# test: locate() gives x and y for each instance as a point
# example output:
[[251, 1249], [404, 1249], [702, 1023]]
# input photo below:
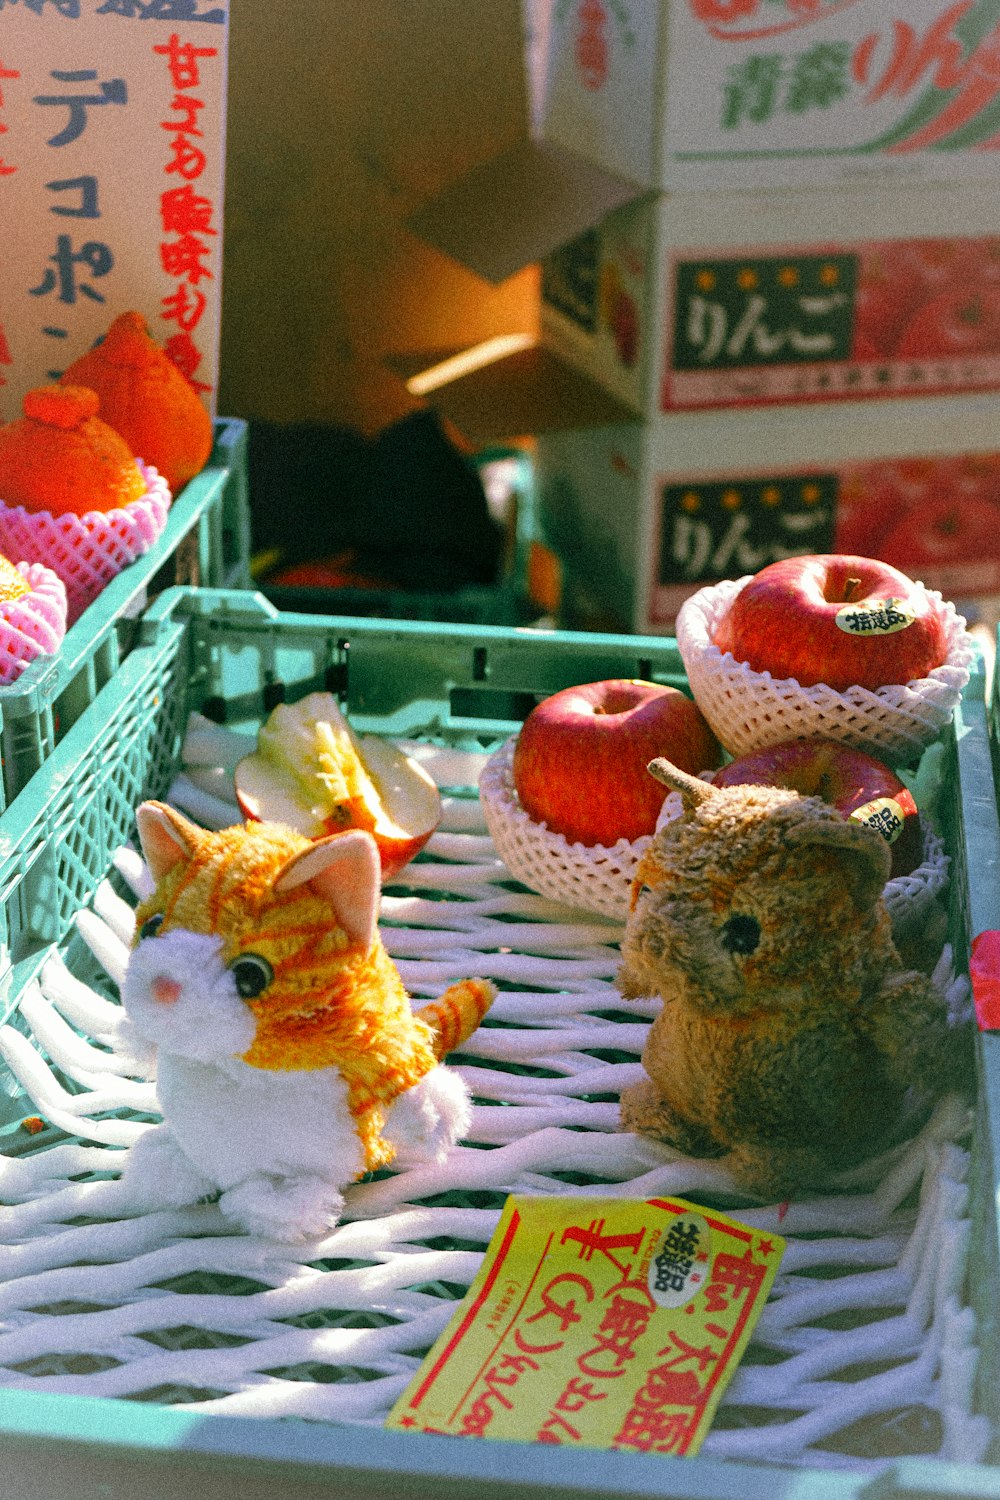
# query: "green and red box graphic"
[[935, 518], [796, 92], [883, 318]]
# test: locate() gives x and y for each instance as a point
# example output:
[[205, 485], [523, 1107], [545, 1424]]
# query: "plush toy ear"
[[692, 789], [344, 869], [863, 854], [165, 836]]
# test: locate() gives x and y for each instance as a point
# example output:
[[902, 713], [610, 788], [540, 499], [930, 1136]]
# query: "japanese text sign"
[[817, 323], [597, 1322], [936, 518], [112, 128], [787, 92]]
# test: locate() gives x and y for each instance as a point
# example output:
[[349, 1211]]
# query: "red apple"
[[976, 474], [581, 757], [313, 773], [868, 506], [979, 261], [964, 321], [933, 265], [950, 528], [625, 326], [917, 479], [834, 618], [857, 785], [890, 285]]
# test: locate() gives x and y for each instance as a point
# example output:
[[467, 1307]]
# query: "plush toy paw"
[[776, 1173], [159, 1175], [136, 1051], [426, 1121], [283, 1208], [644, 1110]]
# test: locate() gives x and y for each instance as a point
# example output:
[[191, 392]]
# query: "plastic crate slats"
[[108, 1328], [868, 1339]]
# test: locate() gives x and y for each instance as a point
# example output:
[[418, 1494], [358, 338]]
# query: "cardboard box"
[[707, 99], [641, 515], [801, 262], [680, 303], [710, 94]]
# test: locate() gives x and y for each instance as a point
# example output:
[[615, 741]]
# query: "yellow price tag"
[[597, 1322]]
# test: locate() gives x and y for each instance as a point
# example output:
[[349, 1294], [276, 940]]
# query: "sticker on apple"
[[677, 1270], [875, 617], [886, 815]]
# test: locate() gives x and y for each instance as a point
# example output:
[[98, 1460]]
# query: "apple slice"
[[313, 773]]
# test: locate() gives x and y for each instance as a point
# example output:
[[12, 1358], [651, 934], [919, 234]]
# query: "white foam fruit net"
[[599, 878], [748, 709], [865, 1351], [87, 551], [595, 878]]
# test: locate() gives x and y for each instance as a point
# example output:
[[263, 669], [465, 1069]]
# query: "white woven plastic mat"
[[749, 709], [865, 1351]]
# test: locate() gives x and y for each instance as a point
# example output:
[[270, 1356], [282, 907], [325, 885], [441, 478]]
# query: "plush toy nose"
[[165, 991]]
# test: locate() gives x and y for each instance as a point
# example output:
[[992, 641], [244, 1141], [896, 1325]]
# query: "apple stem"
[[849, 587]]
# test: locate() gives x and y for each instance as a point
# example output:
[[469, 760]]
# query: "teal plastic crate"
[[233, 657], [206, 541]]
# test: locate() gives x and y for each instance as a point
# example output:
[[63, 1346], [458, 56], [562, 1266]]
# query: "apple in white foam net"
[[837, 619], [857, 785], [312, 772], [581, 756]]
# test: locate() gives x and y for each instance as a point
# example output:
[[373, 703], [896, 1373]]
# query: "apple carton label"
[[884, 814], [874, 617], [838, 321], [935, 518], [786, 93]]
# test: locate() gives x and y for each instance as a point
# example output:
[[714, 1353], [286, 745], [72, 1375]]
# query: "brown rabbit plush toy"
[[789, 1033]]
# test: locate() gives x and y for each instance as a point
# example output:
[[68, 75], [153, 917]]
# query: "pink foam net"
[[34, 624], [87, 551]]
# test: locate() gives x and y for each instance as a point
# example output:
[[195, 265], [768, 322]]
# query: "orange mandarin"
[[146, 398], [61, 457]]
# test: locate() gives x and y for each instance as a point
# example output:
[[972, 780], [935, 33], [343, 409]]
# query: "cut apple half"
[[311, 772]]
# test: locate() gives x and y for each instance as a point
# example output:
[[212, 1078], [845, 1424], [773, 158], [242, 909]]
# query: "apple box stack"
[[801, 309]]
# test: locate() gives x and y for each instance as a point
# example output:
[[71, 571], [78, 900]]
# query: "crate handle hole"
[[335, 679], [215, 709]]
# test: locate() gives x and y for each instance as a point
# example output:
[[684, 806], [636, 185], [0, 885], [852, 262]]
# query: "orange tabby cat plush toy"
[[288, 1059]]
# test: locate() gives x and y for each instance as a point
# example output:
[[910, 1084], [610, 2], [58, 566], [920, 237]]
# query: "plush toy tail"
[[456, 1014]]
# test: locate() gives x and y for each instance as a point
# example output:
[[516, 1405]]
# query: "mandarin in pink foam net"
[[87, 551], [33, 624]]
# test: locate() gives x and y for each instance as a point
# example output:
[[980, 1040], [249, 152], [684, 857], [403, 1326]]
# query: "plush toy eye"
[[152, 925], [252, 973], [741, 934]]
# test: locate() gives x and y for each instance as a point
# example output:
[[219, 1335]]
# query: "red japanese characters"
[[186, 214], [597, 1322]]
